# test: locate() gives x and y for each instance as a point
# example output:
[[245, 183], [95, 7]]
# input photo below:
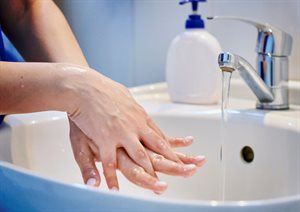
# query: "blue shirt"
[[2, 52]]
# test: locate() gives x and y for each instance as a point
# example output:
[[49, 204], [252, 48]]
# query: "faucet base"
[[270, 106], [280, 102]]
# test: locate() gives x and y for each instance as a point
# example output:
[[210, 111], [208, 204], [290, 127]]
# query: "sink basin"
[[259, 170]]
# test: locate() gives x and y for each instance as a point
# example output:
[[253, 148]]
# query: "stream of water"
[[226, 78]]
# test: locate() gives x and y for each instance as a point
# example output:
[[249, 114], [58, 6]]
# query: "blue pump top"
[[194, 21]]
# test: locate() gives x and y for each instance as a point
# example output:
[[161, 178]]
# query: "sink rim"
[[203, 203], [287, 120], [156, 101]]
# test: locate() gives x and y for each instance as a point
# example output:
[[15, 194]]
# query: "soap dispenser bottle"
[[192, 71]]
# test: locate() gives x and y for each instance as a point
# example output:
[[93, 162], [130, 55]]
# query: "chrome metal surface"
[[270, 40], [273, 48], [260, 89]]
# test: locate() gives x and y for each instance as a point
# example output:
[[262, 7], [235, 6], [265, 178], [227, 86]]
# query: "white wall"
[[104, 29], [158, 21], [128, 40]]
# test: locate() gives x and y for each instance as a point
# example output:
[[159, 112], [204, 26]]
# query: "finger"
[[166, 166], [95, 150], [187, 159], [174, 142], [85, 160], [137, 174], [181, 142], [84, 156], [138, 154], [154, 127], [109, 165], [158, 144]]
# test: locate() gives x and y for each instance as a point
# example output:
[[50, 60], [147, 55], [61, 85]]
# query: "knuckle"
[[88, 172], [142, 128], [161, 144], [147, 131], [137, 172], [156, 159], [110, 165], [141, 154], [81, 158]]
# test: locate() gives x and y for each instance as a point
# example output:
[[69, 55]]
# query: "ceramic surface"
[[38, 172]]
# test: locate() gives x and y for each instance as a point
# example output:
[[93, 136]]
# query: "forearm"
[[32, 87], [40, 32]]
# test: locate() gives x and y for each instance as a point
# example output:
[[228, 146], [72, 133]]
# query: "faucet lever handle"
[[268, 36], [259, 26]]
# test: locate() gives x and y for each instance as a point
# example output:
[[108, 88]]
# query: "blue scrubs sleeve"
[[2, 52]]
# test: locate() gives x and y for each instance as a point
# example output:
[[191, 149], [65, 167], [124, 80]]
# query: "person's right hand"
[[108, 115]]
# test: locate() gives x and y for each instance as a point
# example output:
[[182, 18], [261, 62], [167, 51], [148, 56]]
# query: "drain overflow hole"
[[247, 154]]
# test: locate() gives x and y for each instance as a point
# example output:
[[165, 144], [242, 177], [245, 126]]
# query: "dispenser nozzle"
[[193, 2]]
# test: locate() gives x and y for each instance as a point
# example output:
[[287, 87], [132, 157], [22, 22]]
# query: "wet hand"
[[86, 155], [108, 115], [138, 176]]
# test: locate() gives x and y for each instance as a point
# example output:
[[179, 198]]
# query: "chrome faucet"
[[270, 82]]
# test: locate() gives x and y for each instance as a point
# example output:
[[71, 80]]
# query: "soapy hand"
[[86, 154], [108, 115]]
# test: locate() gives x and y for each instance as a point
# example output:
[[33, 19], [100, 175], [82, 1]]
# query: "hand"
[[108, 115], [138, 176], [86, 154]]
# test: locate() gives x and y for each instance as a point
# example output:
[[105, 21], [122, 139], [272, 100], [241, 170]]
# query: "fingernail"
[[158, 192], [189, 167], [91, 182], [200, 157], [162, 187], [114, 189], [189, 138], [160, 184]]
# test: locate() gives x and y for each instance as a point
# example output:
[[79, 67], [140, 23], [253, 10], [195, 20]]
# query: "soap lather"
[[192, 71]]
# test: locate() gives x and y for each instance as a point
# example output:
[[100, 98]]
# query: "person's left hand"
[[87, 154]]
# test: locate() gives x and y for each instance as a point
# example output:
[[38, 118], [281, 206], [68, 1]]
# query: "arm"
[[52, 86], [31, 87], [34, 22], [39, 31]]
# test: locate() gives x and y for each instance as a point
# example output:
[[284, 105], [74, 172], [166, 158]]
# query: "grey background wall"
[[128, 40], [104, 29]]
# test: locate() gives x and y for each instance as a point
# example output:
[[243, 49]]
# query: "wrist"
[[69, 80]]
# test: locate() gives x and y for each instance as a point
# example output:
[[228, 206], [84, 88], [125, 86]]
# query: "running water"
[[226, 77]]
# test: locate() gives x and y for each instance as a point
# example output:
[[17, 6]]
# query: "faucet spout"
[[229, 62], [269, 82]]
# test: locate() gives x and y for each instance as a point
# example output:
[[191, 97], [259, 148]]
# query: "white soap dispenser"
[[192, 71]]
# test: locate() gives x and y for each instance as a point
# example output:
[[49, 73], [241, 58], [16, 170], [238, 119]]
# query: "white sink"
[[38, 171]]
